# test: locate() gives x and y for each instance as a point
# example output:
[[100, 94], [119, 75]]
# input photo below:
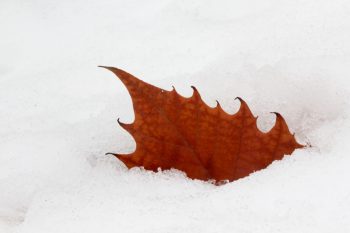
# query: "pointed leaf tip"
[[121, 74], [107, 67], [194, 89], [276, 113], [109, 153], [195, 93]]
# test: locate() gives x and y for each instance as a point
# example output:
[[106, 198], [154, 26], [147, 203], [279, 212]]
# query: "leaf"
[[206, 143]]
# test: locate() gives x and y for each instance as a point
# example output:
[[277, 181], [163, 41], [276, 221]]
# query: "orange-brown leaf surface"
[[206, 143]]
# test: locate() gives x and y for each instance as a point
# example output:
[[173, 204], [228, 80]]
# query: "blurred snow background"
[[58, 112]]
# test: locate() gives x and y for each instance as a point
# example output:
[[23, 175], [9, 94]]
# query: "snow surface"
[[58, 112]]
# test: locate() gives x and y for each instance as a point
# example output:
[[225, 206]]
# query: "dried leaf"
[[206, 143]]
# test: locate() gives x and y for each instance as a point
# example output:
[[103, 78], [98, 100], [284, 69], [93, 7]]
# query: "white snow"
[[58, 112]]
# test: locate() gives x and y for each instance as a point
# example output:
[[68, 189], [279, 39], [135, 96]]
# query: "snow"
[[58, 112]]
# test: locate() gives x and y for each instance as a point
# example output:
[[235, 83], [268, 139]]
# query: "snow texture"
[[59, 113]]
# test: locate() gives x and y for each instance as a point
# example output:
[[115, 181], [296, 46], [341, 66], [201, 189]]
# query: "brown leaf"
[[206, 143]]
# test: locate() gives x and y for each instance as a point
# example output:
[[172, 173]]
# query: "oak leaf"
[[172, 131]]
